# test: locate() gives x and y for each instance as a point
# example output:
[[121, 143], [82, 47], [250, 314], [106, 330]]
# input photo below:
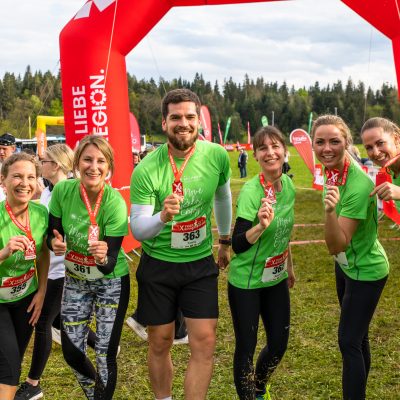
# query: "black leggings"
[[247, 305], [358, 300], [50, 316], [15, 333]]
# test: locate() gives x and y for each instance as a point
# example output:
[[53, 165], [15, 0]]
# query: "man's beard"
[[182, 145]]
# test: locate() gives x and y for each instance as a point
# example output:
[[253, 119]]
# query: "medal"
[[269, 190], [177, 186], [94, 230], [333, 177], [30, 252]]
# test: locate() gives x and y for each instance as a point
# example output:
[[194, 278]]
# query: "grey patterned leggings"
[[106, 300]]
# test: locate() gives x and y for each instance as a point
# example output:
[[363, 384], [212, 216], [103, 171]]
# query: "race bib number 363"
[[275, 267], [188, 234]]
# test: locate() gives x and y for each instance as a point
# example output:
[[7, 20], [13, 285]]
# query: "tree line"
[[24, 97]]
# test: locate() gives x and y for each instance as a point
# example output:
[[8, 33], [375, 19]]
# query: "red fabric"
[[206, 123], [389, 207], [302, 141]]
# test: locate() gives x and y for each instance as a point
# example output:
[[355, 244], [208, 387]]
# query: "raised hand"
[[331, 198], [58, 244], [172, 207]]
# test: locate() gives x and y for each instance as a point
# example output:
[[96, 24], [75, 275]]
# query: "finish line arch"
[[93, 70]]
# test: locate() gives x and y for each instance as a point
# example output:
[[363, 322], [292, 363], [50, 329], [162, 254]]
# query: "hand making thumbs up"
[[58, 244]]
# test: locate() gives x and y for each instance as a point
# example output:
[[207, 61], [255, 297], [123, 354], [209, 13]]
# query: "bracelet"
[[226, 242], [105, 262]]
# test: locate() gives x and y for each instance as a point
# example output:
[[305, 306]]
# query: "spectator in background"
[[242, 163], [286, 166], [136, 159], [7, 147]]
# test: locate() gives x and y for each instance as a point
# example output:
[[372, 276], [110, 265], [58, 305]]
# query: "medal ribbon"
[[341, 179], [267, 188], [92, 213], [26, 228], [178, 174], [391, 162]]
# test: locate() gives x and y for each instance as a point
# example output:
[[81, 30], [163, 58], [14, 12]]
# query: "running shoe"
[[140, 330], [184, 340], [266, 395], [56, 335], [28, 392]]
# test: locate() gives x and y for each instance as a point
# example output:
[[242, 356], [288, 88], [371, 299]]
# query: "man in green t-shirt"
[[172, 195]]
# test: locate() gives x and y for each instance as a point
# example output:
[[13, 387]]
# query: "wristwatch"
[[226, 242]]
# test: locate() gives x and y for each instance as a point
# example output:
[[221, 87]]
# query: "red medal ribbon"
[[269, 189], [94, 231], [177, 185], [30, 252], [333, 177], [26, 228], [391, 162]]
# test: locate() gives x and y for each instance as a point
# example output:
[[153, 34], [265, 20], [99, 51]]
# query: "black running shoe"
[[28, 392]]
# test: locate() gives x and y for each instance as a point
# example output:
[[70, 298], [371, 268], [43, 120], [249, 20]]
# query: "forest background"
[[37, 93]]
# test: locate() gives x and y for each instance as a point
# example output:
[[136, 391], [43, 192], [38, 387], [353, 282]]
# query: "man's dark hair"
[[178, 96]]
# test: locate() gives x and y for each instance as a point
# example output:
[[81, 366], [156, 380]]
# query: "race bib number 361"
[[82, 266], [188, 234], [275, 267]]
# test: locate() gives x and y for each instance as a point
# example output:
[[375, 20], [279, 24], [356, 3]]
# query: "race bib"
[[275, 267], [188, 234], [83, 267], [15, 287], [341, 259]]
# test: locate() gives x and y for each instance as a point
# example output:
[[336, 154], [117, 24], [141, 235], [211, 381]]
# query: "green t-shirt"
[[189, 236], [66, 203], [16, 265], [364, 259], [262, 264]]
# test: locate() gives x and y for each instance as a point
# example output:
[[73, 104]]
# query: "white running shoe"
[[140, 330], [184, 340], [56, 335]]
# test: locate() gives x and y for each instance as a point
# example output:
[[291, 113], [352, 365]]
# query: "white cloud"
[[297, 41]]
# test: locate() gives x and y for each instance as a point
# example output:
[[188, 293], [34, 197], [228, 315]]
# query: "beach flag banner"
[[228, 125], [205, 119], [248, 133], [135, 133], [301, 140], [220, 135]]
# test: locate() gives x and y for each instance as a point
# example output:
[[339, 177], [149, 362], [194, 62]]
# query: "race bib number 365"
[[188, 234], [275, 267]]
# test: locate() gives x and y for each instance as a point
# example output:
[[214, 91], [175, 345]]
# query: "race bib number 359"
[[188, 234], [275, 267], [15, 287]]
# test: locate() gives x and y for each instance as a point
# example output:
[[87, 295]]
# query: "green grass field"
[[311, 368]]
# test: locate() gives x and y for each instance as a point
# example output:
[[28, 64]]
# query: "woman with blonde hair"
[[87, 222], [351, 235]]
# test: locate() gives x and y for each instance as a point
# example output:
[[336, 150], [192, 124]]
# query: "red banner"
[[135, 133], [389, 207], [205, 119], [318, 182], [302, 141]]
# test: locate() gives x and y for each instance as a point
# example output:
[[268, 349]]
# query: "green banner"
[[264, 120], [228, 125], [309, 122]]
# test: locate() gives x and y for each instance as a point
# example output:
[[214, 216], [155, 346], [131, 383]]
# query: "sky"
[[300, 42]]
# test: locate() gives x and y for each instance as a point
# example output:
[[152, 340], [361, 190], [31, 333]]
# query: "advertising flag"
[[41, 142], [228, 125], [220, 134], [264, 120], [248, 133], [302, 141], [135, 133], [205, 119]]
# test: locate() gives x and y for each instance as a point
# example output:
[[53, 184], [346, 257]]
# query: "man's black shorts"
[[164, 286]]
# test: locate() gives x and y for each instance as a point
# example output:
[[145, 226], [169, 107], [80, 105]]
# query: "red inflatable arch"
[[93, 71]]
